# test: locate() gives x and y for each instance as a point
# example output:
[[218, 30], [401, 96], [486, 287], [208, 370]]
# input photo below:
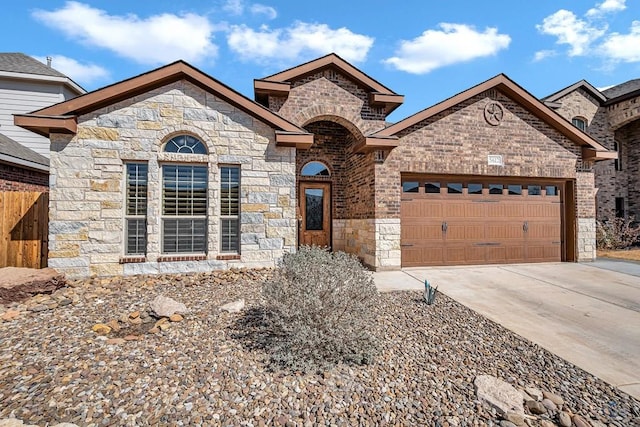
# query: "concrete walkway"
[[588, 314]]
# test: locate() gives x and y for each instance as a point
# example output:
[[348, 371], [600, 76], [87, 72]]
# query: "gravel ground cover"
[[207, 370]]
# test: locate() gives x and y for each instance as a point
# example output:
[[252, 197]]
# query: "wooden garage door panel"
[[455, 209], [504, 230], [475, 210], [480, 228], [421, 232]]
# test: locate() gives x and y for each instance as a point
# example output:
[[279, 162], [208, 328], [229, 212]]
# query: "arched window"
[[184, 199], [185, 144], [315, 169], [580, 123]]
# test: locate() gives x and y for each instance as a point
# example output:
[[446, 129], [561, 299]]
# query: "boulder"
[[17, 284], [165, 307], [498, 394], [233, 307]]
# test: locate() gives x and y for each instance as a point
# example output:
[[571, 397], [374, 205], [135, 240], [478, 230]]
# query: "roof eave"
[[46, 125], [23, 163]]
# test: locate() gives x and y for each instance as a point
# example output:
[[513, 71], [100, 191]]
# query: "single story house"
[[173, 171]]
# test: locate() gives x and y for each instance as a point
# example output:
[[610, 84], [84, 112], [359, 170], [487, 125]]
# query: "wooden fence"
[[24, 229]]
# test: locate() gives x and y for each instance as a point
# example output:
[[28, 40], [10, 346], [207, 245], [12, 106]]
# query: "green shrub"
[[319, 308], [617, 233]]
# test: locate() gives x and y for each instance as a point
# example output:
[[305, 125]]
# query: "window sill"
[[132, 259], [173, 258], [228, 257]]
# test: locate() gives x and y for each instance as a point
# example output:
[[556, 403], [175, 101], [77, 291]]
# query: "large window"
[[136, 209], [230, 209], [184, 209]]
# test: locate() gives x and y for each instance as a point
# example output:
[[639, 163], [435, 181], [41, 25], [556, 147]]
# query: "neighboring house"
[[172, 171], [612, 117], [27, 84]]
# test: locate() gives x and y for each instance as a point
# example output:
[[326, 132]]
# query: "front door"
[[315, 209]]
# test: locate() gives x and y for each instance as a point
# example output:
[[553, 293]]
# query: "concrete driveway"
[[588, 314]]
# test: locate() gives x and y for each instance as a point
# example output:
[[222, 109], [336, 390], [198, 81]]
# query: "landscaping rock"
[[176, 318], [535, 393], [535, 407], [498, 394], [18, 284], [213, 369], [101, 329], [551, 407], [516, 418], [579, 421], [559, 401], [564, 419], [164, 306], [233, 307], [10, 315]]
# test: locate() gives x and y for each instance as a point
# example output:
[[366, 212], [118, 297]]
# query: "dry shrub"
[[319, 307], [617, 233]]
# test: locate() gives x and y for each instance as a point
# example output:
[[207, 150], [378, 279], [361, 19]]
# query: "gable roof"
[[280, 83], [20, 65], [507, 86], [582, 84], [622, 91], [17, 154], [62, 117]]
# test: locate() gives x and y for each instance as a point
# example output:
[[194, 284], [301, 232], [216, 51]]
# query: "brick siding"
[[13, 178]]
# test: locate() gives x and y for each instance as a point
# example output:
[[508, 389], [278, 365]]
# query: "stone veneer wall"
[[87, 186], [586, 213]]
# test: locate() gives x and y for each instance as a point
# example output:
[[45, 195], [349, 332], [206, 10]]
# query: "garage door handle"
[[525, 226], [444, 227]]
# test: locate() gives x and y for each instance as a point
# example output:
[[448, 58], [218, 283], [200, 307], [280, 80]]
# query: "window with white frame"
[[184, 200], [580, 123], [136, 209], [230, 209]]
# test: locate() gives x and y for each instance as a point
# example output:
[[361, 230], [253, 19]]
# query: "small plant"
[[320, 310], [429, 292], [617, 233]]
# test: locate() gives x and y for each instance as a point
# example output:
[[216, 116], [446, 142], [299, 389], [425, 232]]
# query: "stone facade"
[[87, 202], [87, 193]]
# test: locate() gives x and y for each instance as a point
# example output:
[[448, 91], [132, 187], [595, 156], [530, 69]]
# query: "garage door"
[[455, 221]]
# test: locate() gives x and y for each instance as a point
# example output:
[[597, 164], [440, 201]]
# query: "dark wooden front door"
[[315, 209]]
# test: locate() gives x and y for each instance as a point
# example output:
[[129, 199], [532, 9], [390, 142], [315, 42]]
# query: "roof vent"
[[49, 59]]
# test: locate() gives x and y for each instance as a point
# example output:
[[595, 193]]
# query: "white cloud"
[[234, 7], [83, 73], [623, 47], [453, 43], [157, 39], [261, 9], [544, 54], [579, 34], [607, 6], [297, 42]]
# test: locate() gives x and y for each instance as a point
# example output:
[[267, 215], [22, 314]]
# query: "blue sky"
[[425, 50]]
